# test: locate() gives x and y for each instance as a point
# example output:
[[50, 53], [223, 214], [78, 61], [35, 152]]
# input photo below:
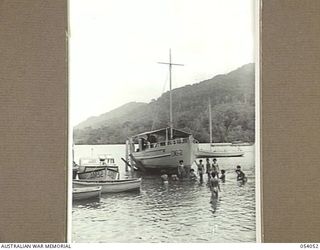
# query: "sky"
[[114, 47]]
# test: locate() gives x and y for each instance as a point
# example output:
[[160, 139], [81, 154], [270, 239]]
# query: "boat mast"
[[210, 120], [170, 93]]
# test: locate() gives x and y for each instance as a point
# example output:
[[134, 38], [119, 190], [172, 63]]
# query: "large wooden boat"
[[158, 150], [83, 193], [163, 148], [111, 186]]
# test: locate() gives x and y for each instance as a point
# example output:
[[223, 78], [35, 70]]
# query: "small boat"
[[218, 154], [221, 144], [111, 186], [101, 168], [241, 143], [84, 193], [215, 153]]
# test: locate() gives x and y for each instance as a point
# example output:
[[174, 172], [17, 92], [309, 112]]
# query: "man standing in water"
[[181, 170], [208, 168], [200, 169], [223, 176], [215, 167], [240, 175], [214, 187], [164, 177]]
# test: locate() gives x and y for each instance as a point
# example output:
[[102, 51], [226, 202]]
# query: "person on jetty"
[[214, 187], [215, 167], [240, 175], [200, 168], [181, 170], [223, 176], [192, 175], [164, 176], [208, 168]]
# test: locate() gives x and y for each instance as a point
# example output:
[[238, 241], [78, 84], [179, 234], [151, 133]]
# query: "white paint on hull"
[[211, 154], [82, 193], [167, 156], [113, 186]]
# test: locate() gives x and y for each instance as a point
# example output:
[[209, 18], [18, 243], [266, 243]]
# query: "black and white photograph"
[[163, 121]]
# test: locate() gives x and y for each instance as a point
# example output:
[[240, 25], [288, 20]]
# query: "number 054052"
[[310, 246]]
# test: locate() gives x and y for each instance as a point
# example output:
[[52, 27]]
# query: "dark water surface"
[[174, 212]]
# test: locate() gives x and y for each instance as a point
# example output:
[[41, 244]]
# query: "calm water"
[[176, 212]]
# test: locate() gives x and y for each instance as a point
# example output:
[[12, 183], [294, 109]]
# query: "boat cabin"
[[160, 137], [101, 160], [101, 167]]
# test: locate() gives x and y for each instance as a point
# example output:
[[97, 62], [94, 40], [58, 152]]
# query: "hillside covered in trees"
[[232, 104]]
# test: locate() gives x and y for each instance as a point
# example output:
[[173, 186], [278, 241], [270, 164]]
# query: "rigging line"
[[158, 106]]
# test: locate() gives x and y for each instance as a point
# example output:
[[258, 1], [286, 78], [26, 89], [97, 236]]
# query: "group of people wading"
[[212, 170]]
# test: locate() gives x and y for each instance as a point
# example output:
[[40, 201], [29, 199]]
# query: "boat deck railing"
[[169, 142]]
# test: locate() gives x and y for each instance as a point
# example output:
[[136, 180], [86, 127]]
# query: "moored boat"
[[101, 168], [163, 148], [241, 143], [83, 193], [156, 151], [111, 186], [221, 144], [217, 154]]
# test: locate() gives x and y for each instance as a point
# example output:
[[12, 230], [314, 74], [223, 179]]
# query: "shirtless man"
[[215, 167], [240, 175], [200, 169], [164, 176], [208, 168], [181, 170], [223, 176], [192, 176], [214, 186]]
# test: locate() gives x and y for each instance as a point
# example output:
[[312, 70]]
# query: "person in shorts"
[[208, 168], [200, 168], [214, 187], [215, 167]]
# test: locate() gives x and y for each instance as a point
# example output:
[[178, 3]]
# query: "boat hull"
[[84, 193], [217, 154], [166, 157], [111, 186], [98, 173]]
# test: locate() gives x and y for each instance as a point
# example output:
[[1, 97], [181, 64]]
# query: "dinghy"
[[84, 193], [111, 186]]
